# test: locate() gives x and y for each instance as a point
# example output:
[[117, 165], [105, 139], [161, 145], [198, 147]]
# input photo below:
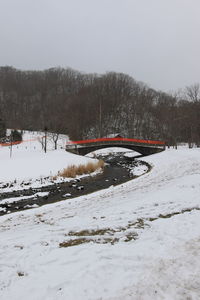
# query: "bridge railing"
[[122, 141]]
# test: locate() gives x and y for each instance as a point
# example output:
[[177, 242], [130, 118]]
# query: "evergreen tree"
[[16, 136]]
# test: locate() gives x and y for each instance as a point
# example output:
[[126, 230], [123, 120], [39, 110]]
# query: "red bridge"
[[145, 147]]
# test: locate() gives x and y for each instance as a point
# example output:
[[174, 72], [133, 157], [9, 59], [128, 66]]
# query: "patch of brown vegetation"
[[167, 216], [20, 274], [75, 242], [99, 236], [73, 171], [79, 241], [91, 232], [131, 236], [139, 224]]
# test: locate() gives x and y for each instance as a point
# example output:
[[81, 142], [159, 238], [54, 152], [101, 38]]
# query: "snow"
[[67, 195], [112, 150], [139, 170], [29, 162], [139, 240], [17, 199]]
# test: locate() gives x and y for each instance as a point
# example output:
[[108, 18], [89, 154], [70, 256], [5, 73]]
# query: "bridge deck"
[[122, 140], [142, 146]]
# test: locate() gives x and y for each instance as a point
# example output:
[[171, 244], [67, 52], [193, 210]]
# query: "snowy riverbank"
[[29, 163], [139, 240]]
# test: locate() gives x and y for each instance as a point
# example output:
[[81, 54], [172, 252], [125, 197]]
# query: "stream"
[[116, 171]]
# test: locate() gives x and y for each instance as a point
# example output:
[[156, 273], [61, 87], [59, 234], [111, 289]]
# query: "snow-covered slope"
[[27, 161], [139, 240]]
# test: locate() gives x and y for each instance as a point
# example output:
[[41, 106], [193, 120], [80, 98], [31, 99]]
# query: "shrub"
[[73, 170], [16, 135]]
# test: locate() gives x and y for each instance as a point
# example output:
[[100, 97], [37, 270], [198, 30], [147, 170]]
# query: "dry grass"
[[73, 170], [80, 241]]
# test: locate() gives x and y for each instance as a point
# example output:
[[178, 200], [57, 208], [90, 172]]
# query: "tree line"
[[91, 105]]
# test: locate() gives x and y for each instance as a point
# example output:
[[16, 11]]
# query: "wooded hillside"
[[92, 105]]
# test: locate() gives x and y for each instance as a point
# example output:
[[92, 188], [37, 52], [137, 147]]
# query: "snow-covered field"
[[28, 162], [139, 240]]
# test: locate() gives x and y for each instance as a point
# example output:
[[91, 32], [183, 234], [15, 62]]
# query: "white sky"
[[155, 41]]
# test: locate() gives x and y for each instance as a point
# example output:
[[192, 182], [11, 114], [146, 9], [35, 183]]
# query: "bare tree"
[[41, 141], [193, 95], [54, 137], [193, 92]]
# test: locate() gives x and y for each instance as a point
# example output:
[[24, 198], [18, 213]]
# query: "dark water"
[[117, 171]]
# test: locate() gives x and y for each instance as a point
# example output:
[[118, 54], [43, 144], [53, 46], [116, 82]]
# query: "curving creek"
[[118, 170]]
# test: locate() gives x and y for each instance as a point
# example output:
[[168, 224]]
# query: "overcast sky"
[[155, 41]]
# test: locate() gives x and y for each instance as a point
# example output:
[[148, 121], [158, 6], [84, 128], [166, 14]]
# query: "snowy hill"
[[27, 161], [139, 240]]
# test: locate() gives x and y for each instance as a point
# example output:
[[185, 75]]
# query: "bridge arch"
[[144, 147]]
